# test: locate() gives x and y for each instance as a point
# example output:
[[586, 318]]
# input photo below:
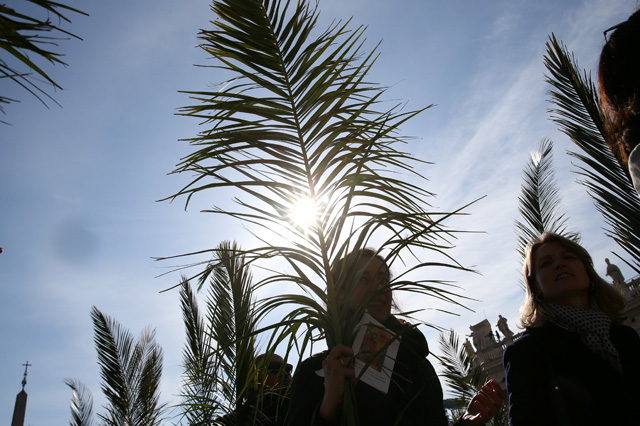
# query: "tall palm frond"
[[539, 199], [199, 396], [576, 110], [232, 318], [22, 35], [464, 374], [220, 352], [462, 371], [81, 404], [298, 120], [130, 372]]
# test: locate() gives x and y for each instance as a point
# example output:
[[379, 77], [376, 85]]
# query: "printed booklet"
[[376, 349]]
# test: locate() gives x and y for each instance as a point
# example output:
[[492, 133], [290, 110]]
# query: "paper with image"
[[376, 347]]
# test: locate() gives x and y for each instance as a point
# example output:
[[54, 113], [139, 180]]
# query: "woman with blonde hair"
[[576, 364]]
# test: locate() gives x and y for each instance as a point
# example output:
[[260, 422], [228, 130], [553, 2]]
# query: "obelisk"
[[21, 401]]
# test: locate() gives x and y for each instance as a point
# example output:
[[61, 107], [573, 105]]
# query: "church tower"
[[21, 401]]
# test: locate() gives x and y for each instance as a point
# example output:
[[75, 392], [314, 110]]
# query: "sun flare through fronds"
[[315, 157]]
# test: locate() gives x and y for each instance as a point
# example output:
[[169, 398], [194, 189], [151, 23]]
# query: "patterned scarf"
[[593, 327]]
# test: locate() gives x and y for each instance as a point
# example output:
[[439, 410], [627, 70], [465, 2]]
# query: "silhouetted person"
[[413, 395], [619, 83], [575, 364], [267, 402]]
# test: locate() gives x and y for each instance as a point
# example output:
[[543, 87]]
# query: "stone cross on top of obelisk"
[[24, 379]]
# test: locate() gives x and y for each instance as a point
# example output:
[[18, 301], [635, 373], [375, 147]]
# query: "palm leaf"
[[462, 372], [220, 353], [297, 118], [130, 371], [199, 397], [539, 200], [81, 404], [23, 35], [576, 111], [148, 407], [232, 318], [464, 375]]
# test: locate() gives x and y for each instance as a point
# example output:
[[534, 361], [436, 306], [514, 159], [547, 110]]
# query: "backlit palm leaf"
[[199, 395], [232, 320], [462, 372], [464, 375], [81, 404], [220, 352], [576, 111], [298, 119], [24, 37], [130, 372], [539, 200]]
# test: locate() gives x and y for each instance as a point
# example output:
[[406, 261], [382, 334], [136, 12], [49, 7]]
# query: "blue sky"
[[79, 220]]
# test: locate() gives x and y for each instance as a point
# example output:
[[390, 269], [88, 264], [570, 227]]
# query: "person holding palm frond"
[[389, 377], [619, 83]]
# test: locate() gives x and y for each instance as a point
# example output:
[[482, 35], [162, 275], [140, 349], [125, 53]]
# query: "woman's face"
[[560, 276], [371, 287]]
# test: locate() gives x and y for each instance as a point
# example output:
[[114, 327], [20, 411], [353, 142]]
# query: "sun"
[[304, 212]]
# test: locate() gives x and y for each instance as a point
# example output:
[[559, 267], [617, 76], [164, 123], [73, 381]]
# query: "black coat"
[[414, 397], [554, 379]]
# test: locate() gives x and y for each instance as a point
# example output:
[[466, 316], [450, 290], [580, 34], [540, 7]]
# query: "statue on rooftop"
[[614, 272], [504, 327]]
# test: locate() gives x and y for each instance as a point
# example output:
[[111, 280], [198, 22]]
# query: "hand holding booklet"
[[376, 348]]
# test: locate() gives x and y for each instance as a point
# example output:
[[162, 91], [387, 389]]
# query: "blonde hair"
[[602, 295]]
